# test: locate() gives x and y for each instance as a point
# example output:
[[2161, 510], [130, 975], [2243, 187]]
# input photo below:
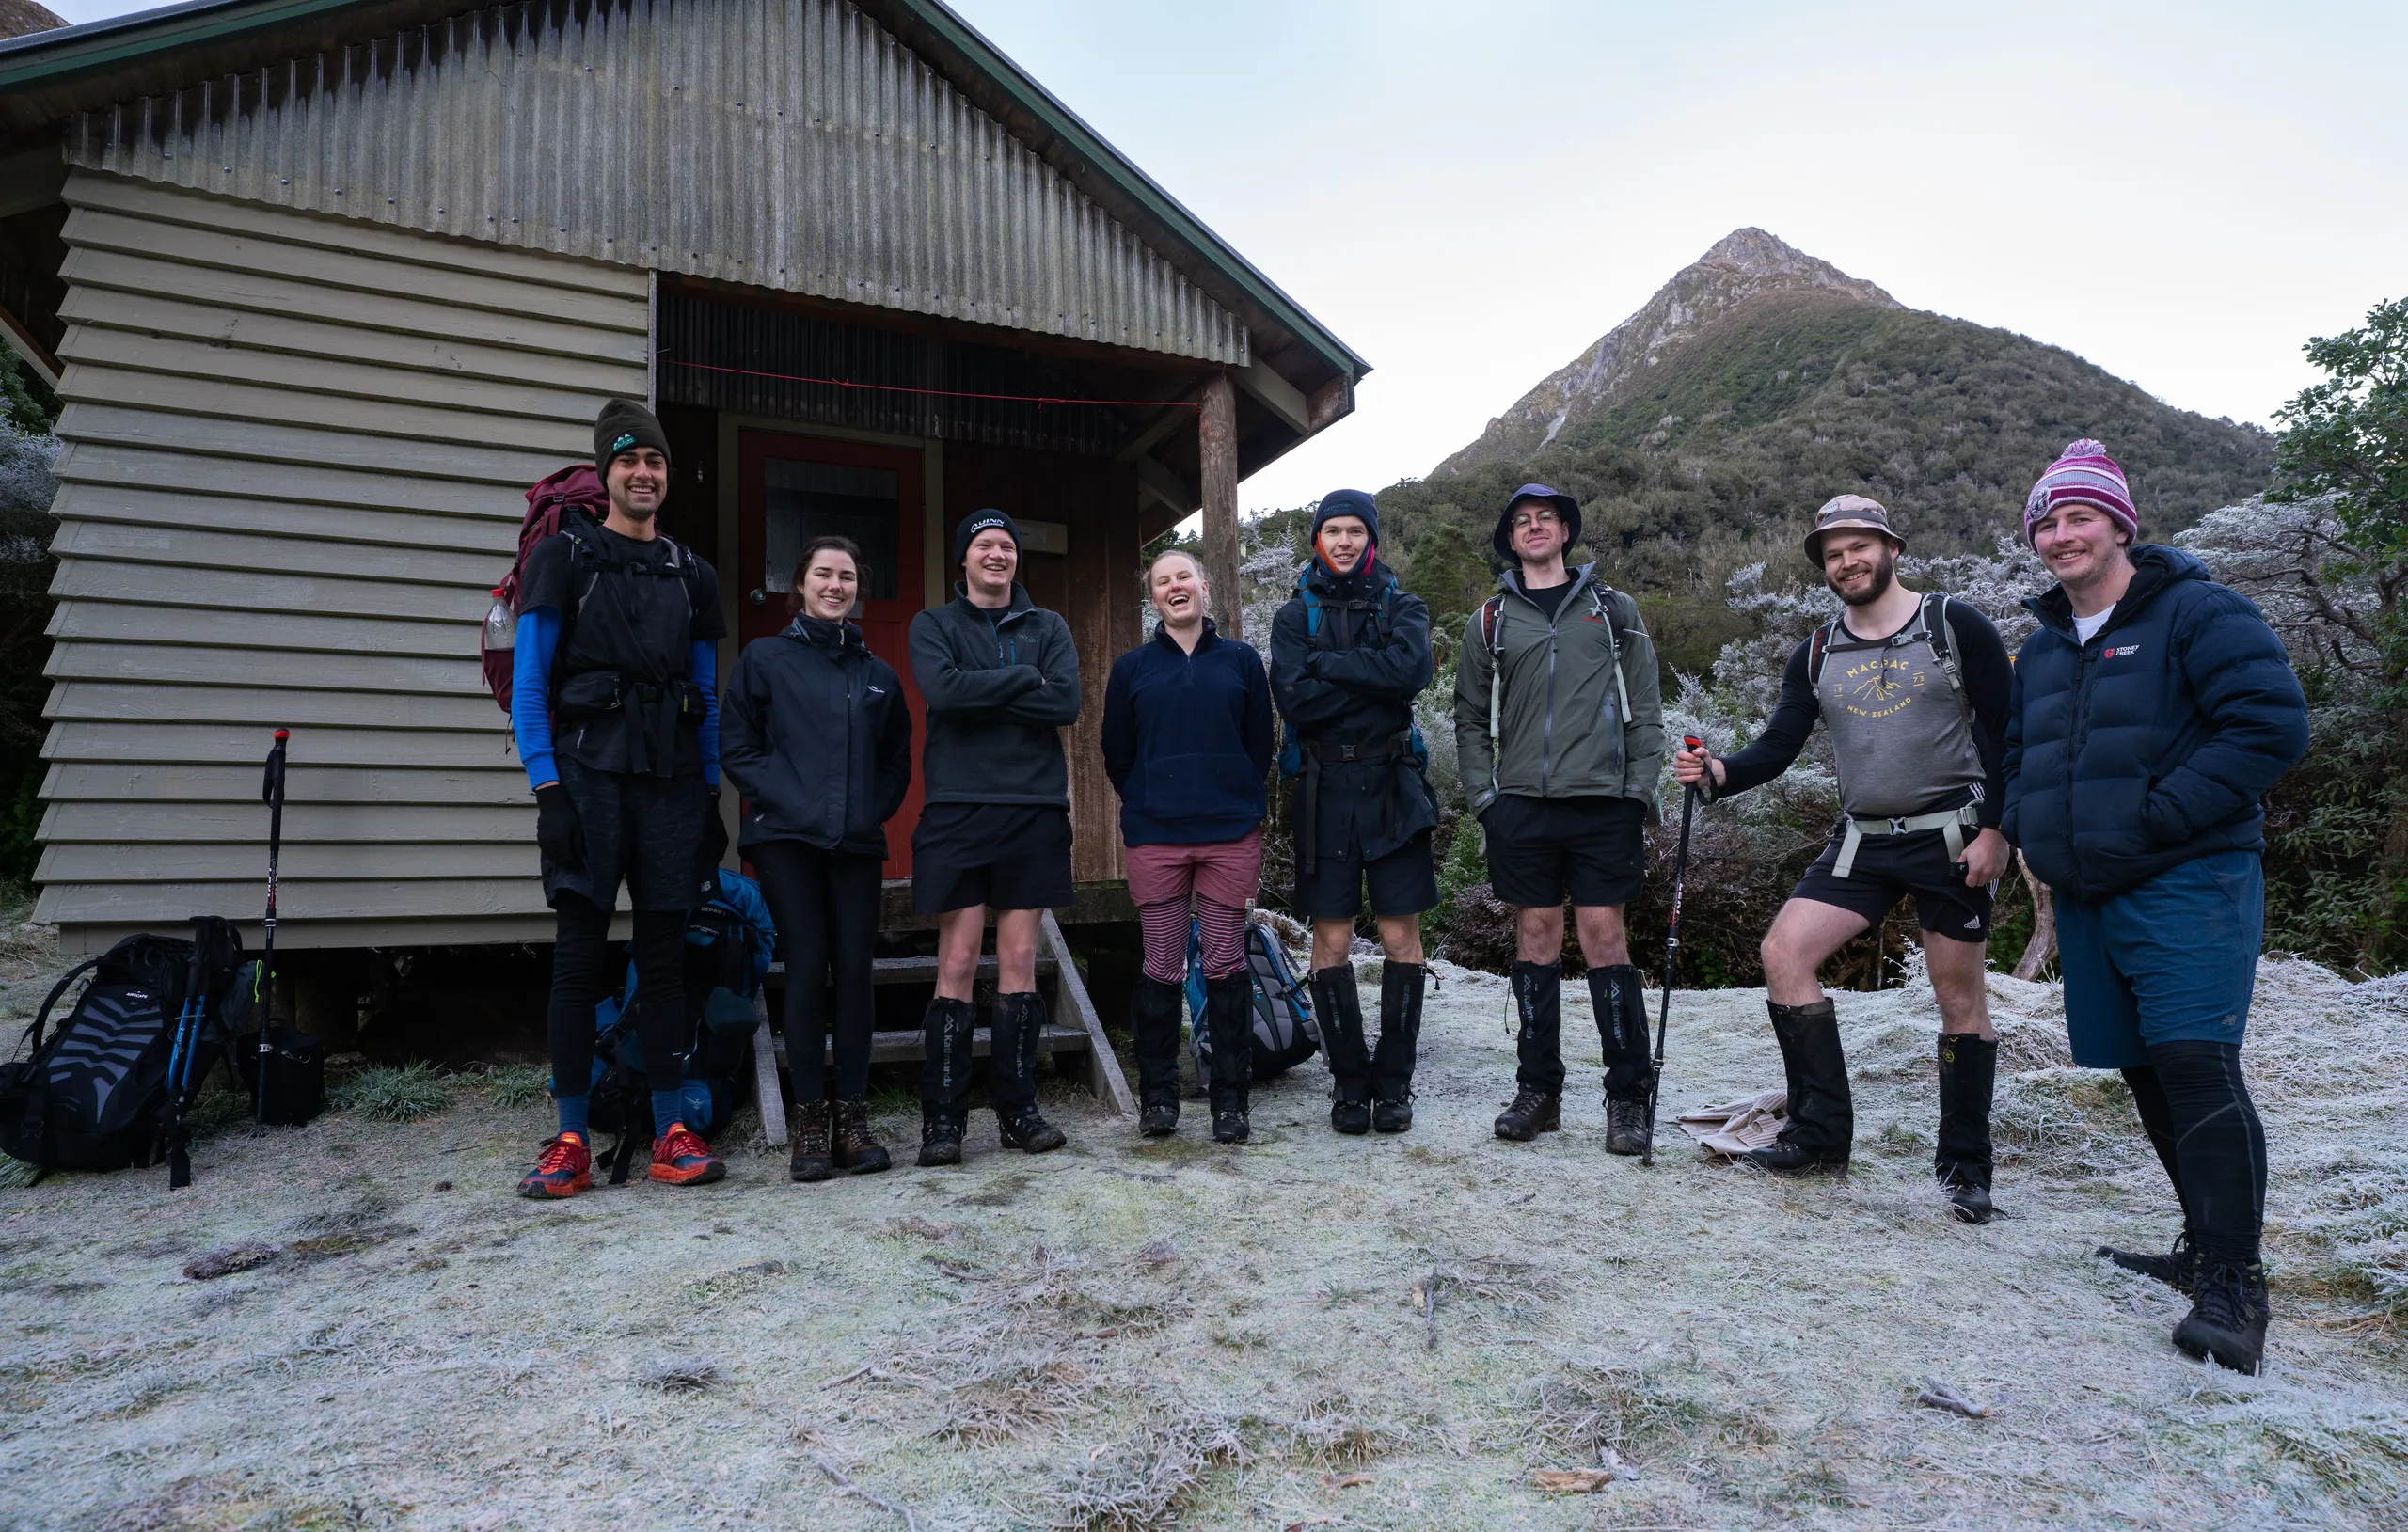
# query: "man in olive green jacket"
[[1560, 737]]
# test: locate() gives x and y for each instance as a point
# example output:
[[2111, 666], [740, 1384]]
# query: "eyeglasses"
[[1524, 520]]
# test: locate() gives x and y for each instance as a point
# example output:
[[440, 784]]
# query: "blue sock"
[[668, 1110], [573, 1116]]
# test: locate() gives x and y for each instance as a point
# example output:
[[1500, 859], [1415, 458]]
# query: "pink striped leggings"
[[1221, 935]]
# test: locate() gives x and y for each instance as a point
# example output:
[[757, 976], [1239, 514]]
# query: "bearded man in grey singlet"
[[1914, 690]]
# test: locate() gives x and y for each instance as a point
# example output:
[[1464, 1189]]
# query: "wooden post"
[[1217, 433]]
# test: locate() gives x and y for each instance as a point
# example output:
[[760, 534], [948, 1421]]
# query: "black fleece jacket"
[[1000, 686]]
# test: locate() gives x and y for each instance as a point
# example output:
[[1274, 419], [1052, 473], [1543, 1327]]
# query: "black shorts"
[[1403, 882], [1005, 856], [645, 830], [1540, 848], [1890, 867]]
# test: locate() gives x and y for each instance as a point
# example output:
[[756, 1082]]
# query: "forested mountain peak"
[[1745, 263]]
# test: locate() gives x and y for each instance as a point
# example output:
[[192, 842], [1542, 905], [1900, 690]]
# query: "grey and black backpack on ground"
[[1285, 1032], [95, 1093]]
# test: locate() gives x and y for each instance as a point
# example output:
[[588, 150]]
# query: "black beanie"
[[622, 426], [1348, 503], [980, 521]]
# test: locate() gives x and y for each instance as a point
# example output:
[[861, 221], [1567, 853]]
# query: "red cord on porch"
[[945, 393]]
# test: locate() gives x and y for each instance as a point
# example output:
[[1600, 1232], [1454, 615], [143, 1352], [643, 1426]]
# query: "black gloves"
[[557, 831]]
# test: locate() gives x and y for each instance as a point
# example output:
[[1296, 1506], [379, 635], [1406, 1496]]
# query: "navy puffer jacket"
[[2152, 744]]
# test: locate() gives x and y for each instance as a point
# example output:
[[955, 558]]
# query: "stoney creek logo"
[[1877, 688]]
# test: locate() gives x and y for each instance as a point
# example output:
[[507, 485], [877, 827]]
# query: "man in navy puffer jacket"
[[2153, 709]]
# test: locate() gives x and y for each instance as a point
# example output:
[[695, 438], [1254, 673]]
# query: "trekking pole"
[[1672, 947], [188, 1023], [272, 794]]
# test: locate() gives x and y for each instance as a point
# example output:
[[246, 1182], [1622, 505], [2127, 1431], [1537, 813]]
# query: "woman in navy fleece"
[[1187, 742]]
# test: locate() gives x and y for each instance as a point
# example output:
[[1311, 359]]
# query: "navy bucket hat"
[[1565, 506]]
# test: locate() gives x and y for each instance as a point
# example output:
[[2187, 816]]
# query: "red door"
[[791, 489]]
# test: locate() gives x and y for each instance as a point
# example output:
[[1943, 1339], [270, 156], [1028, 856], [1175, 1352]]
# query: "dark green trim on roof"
[[41, 58]]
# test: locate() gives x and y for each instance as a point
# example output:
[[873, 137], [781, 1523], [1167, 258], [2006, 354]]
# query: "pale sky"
[[1470, 194]]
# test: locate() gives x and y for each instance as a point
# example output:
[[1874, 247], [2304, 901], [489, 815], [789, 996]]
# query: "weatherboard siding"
[[295, 452], [792, 145]]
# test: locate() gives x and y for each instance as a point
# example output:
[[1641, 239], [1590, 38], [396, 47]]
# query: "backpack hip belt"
[[1362, 752], [1951, 822]]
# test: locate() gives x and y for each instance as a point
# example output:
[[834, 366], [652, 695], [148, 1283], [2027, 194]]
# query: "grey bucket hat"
[[1850, 512]]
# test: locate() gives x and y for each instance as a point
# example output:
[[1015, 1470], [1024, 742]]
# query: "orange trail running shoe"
[[564, 1170], [681, 1158]]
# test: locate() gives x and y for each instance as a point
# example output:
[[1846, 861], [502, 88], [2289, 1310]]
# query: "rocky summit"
[[1746, 265]]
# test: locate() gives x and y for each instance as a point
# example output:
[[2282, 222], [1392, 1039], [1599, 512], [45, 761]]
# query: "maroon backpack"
[[575, 492]]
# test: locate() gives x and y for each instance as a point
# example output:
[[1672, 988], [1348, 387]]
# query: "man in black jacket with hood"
[[1000, 677], [1348, 655]]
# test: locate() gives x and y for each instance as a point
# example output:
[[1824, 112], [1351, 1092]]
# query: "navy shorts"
[[643, 829], [1005, 856], [1541, 850], [1890, 867], [2173, 961], [1403, 882]]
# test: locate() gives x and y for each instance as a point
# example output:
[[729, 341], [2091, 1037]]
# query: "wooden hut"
[[327, 284]]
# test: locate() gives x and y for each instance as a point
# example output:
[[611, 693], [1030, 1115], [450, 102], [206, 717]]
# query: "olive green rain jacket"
[[1581, 713]]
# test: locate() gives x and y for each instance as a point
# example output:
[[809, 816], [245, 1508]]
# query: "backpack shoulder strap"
[[1818, 648], [1601, 601], [1934, 618], [41, 1018]]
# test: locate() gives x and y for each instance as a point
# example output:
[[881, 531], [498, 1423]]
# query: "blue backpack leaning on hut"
[[1285, 1033]]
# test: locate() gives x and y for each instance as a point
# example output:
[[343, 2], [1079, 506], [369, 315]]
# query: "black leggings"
[[2205, 1128], [826, 905], [578, 953]]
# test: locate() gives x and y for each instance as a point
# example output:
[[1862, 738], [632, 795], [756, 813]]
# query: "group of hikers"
[[2125, 749]]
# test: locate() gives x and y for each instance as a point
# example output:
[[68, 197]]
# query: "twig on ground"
[[1425, 1298], [848, 1487], [1942, 1396]]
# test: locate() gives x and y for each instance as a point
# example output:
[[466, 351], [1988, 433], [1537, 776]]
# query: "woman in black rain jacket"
[[817, 738]]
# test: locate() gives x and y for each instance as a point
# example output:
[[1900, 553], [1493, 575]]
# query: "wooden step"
[[924, 970], [907, 1046]]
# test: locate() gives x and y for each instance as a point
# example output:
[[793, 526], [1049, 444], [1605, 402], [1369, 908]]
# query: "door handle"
[[758, 598]]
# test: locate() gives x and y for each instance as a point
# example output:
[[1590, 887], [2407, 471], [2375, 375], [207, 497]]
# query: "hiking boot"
[[1533, 1112], [940, 1139], [1822, 1113], [2227, 1318], [1401, 985], [1154, 1025], [1030, 1132], [1340, 1009], [1961, 1158], [1626, 1125], [680, 1158], [2179, 1268], [562, 1170], [1968, 1201], [808, 1159], [1231, 1127], [856, 1152]]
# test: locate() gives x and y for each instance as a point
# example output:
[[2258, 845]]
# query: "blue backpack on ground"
[[729, 942], [1285, 1033]]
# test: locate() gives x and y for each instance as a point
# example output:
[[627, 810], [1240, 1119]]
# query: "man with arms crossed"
[[1559, 730], [1349, 653], [1914, 690], [1000, 677]]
